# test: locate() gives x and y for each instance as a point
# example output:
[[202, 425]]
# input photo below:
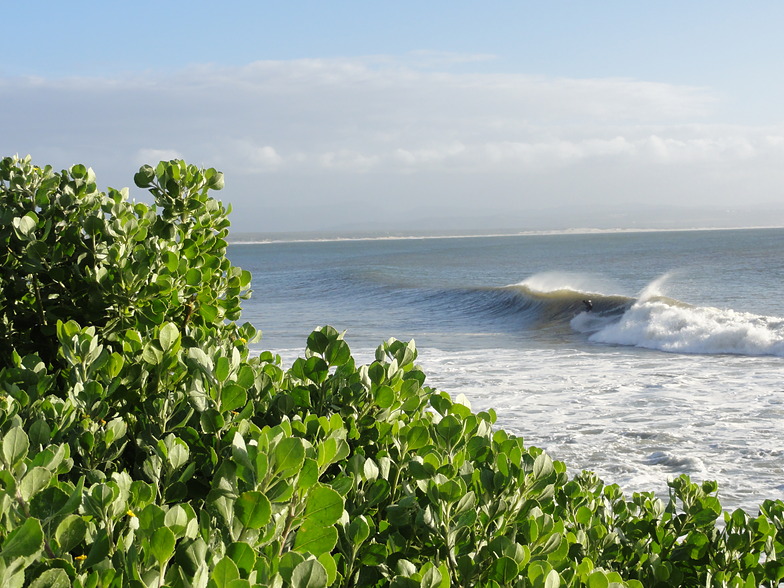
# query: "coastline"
[[250, 239]]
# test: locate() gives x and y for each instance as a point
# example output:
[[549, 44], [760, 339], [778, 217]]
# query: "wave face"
[[547, 307]]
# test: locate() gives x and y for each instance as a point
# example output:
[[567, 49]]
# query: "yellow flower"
[[80, 557], [130, 513]]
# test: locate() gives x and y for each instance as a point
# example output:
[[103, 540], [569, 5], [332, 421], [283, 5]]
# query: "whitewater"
[[676, 367]]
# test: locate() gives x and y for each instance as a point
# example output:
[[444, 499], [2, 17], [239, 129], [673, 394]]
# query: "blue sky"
[[422, 115]]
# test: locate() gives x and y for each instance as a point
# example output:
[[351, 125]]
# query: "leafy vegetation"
[[142, 444]]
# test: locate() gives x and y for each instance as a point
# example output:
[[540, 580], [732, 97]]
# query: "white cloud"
[[348, 160], [326, 121], [260, 158]]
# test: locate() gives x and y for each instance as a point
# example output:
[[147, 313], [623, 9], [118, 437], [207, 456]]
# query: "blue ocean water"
[[675, 369]]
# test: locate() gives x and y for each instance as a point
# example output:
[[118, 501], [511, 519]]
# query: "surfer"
[[588, 305]]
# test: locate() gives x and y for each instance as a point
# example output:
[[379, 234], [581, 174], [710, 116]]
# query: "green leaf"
[[177, 520], [598, 580], [338, 353], [432, 577], [162, 544], [583, 515], [288, 562], [370, 470], [449, 428], [467, 502], [200, 358], [211, 421], [377, 492], [114, 365], [25, 225], [243, 555], [151, 518], [52, 578], [358, 530], [504, 570], [289, 454], [151, 354], [144, 177], [385, 397], [171, 261], [315, 539], [225, 572], [74, 500], [543, 466], [553, 580], [551, 543], [70, 532], [253, 509], [317, 342], [222, 369], [178, 454], [324, 506], [330, 566], [168, 335], [232, 397], [216, 181], [308, 475], [309, 574], [99, 549], [48, 503], [245, 376], [315, 369], [193, 277], [34, 481], [15, 446], [417, 436], [24, 541], [450, 491], [39, 433]]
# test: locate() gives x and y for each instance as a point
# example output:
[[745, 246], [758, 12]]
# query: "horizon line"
[[473, 235]]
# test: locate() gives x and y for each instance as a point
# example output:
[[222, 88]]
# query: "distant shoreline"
[[337, 238]]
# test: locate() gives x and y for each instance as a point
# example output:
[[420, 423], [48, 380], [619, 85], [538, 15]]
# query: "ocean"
[[676, 368]]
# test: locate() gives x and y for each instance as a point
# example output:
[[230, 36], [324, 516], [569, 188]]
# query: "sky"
[[415, 115]]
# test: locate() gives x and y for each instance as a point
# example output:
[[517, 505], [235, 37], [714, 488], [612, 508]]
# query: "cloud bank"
[[306, 143]]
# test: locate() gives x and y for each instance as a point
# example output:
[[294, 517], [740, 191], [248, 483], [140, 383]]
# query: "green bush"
[[143, 445]]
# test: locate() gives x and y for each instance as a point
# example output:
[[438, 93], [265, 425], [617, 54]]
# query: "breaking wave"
[[655, 321], [651, 320], [668, 325]]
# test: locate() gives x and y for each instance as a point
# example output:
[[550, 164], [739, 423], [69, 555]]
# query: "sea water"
[[676, 368]]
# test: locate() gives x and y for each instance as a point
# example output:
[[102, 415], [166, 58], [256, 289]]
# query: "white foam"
[[659, 324], [634, 417], [590, 322]]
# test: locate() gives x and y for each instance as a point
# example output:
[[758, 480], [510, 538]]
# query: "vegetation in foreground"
[[143, 445]]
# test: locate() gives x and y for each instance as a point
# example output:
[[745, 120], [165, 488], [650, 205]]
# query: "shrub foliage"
[[143, 445]]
